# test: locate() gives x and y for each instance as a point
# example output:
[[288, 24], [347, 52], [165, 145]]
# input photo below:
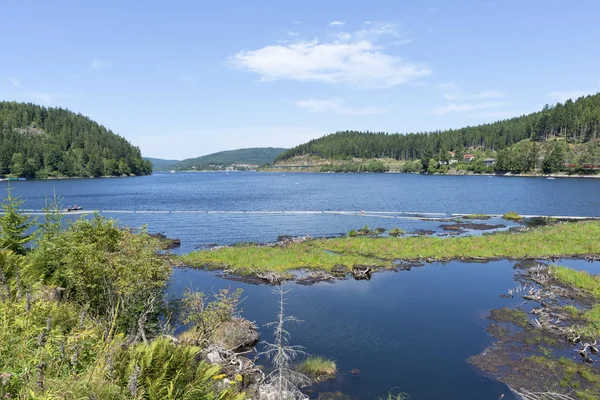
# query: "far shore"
[[465, 173]]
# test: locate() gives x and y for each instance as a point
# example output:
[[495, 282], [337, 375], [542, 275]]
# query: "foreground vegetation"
[[566, 239], [84, 315], [39, 142]]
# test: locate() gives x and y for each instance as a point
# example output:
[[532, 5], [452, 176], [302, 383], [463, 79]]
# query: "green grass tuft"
[[396, 232], [512, 216], [319, 368], [579, 279]]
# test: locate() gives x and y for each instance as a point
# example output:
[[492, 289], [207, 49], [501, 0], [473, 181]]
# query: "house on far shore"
[[488, 162], [468, 157]]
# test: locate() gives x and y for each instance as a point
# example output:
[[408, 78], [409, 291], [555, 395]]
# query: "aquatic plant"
[[397, 396], [395, 232], [580, 238], [512, 216], [319, 368]]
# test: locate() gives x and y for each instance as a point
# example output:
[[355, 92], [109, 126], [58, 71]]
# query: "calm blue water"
[[408, 331], [184, 205]]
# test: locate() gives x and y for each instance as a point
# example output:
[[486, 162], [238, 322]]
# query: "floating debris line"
[[362, 213]]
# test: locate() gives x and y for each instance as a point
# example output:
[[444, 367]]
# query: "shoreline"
[[467, 173]]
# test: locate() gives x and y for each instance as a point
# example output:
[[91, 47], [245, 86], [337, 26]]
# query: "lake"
[[408, 331]]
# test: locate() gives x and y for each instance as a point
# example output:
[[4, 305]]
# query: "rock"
[[167, 243], [271, 277], [239, 334], [340, 269], [361, 272], [314, 277]]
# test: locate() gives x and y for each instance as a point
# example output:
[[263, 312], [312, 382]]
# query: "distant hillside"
[[255, 155], [571, 122], [157, 163], [53, 142]]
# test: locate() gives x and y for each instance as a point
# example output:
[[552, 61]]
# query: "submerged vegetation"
[[565, 239]]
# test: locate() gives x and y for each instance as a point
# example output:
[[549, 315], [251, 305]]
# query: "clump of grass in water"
[[512, 216], [352, 233], [395, 232], [319, 368]]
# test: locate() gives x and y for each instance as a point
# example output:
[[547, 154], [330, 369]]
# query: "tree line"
[[574, 122], [42, 142]]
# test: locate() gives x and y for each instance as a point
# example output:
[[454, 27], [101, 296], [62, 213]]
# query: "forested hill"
[[50, 142], [160, 162], [577, 121], [254, 156]]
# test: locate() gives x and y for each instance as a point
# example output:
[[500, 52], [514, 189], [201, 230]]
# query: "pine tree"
[[14, 225], [555, 161]]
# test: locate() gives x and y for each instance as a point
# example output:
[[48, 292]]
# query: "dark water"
[[408, 331]]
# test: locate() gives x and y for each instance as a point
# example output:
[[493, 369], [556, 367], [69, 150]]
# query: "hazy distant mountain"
[[159, 163], [255, 155]]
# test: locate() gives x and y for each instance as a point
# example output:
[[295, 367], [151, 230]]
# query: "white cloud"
[[561, 96], [354, 59], [188, 78], [337, 23], [15, 82], [367, 22], [336, 106], [97, 63], [449, 108]]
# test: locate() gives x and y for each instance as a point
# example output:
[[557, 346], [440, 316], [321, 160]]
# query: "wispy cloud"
[[15, 82], [500, 114], [561, 96], [97, 63], [336, 106], [460, 107], [188, 78], [352, 58], [454, 92], [337, 23], [49, 98]]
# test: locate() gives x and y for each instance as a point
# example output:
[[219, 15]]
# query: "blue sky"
[[185, 78]]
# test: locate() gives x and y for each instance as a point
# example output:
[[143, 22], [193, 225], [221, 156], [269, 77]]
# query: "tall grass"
[[318, 367], [568, 239]]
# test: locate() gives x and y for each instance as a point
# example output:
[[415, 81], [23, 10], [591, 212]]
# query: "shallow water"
[[402, 330]]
